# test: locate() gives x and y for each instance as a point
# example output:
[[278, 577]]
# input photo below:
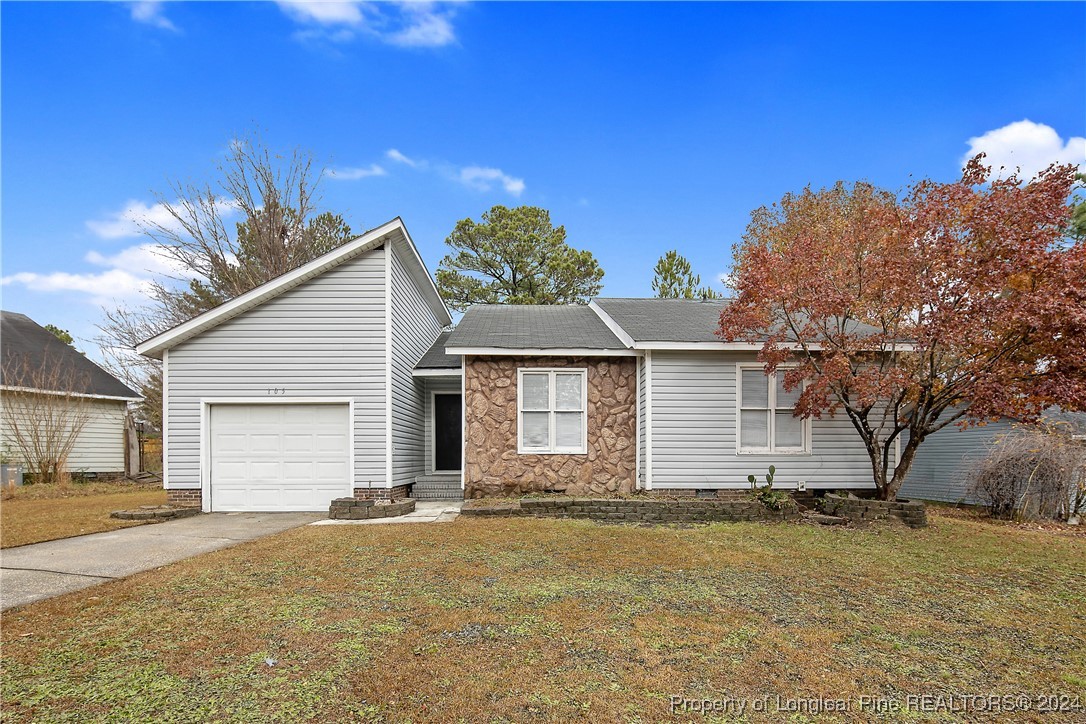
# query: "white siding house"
[[301, 390]]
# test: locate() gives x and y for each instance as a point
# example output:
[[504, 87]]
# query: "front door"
[[448, 424]]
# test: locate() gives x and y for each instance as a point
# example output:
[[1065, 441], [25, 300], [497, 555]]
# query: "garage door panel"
[[300, 472], [279, 456], [226, 443], [232, 471], [331, 443], [329, 472], [233, 414], [263, 442], [299, 443]]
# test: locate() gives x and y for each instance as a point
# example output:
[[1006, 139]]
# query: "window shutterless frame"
[[771, 411], [552, 448]]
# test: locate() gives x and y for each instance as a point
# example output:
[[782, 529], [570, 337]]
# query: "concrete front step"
[[437, 487], [437, 496]]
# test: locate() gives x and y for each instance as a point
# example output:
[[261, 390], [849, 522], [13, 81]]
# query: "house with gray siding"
[[345, 377]]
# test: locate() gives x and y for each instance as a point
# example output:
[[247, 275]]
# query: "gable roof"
[[531, 327], [436, 358], [392, 233], [664, 320], [27, 347]]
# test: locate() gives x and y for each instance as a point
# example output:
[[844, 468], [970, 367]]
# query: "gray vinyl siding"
[[642, 442], [943, 460], [694, 432], [324, 338], [435, 384], [99, 447], [414, 329]]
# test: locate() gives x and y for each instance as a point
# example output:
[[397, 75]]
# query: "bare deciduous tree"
[[44, 415], [216, 258]]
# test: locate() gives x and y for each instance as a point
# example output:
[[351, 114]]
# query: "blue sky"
[[641, 127]]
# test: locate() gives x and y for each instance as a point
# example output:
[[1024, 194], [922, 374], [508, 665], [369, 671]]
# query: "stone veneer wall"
[[492, 465]]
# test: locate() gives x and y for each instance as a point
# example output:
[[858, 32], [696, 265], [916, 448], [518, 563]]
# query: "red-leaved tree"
[[953, 303]]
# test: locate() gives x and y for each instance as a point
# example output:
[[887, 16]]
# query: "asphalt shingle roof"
[[665, 320], [27, 348], [435, 357], [533, 327]]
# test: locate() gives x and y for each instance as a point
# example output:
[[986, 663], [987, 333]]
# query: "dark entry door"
[[448, 423]]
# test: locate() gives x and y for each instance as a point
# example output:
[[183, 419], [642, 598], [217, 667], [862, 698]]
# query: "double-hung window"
[[766, 422], [551, 407]]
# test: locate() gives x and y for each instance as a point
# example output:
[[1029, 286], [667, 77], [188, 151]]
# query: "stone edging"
[[353, 509], [861, 510], [154, 512], [623, 510]]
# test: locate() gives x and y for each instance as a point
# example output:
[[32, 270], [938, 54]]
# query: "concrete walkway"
[[43, 570], [426, 511]]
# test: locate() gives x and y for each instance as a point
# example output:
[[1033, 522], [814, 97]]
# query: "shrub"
[[1032, 472]]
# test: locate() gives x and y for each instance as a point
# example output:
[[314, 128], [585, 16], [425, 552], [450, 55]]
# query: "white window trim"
[[805, 423], [552, 449]]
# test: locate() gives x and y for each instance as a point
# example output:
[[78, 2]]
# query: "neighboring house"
[[336, 379], [945, 460], [34, 361]]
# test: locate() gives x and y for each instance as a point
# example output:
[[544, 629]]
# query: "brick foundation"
[[398, 492], [184, 498]]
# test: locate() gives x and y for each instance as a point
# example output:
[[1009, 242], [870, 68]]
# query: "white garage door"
[[279, 457]]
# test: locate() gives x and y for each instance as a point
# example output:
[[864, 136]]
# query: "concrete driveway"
[[43, 570]]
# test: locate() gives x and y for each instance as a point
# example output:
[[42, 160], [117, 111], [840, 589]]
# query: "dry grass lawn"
[[548, 620], [36, 513]]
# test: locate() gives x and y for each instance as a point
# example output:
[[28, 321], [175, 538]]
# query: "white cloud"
[[1028, 146], [480, 178], [139, 260], [395, 155], [323, 13], [102, 287], [126, 275], [126, 223], [427, 27], [483, 179], [349, 173], [404, 24], [149, 12]]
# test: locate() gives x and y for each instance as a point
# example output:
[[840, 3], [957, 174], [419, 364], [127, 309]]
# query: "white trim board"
[[447, 372], [63, 393], [166, 419], [388, 366], [612, 325], [648, 420], [526, 352]]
